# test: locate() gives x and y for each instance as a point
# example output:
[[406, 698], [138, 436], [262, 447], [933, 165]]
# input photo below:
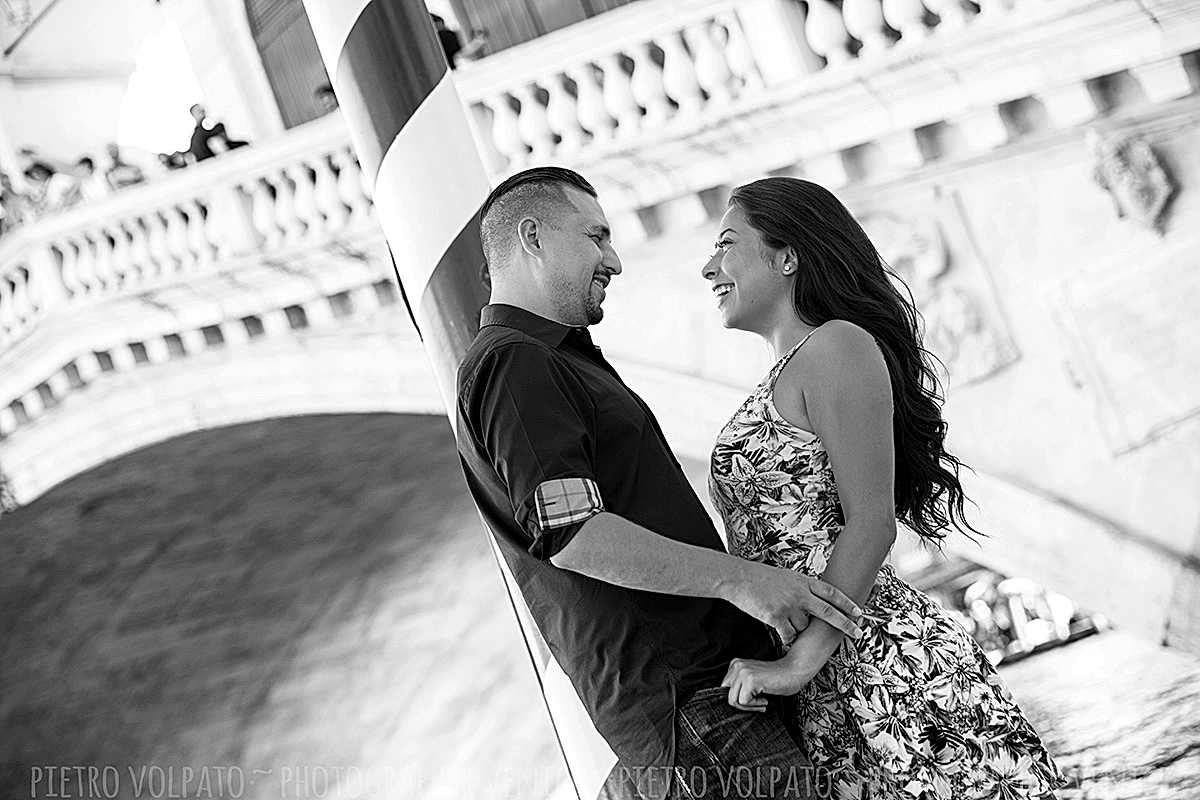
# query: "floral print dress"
[[913, 709]]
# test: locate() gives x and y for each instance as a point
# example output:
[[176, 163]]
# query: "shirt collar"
[[551, 332]]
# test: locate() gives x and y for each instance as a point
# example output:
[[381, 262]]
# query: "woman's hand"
[[750, 680]]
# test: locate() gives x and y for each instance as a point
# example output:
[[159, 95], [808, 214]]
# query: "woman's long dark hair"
[[841, 275]]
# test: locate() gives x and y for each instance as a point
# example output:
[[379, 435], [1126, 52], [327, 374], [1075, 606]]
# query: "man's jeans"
[[721, 752]]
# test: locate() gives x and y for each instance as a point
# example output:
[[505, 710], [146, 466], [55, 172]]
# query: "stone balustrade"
[[609, 79], [598, 86], [293, 193]]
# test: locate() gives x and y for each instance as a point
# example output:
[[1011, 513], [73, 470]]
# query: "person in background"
[[37, 179], [62, 189], [121, 173], [326, 99], [93, 185], [209, 137], [452, 43], [40, 166], [15, 207], [173, 161]]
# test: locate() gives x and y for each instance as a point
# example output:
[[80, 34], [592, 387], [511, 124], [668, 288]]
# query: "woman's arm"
[[848, 399]]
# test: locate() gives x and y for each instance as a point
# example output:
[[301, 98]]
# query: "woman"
[[842, 438]]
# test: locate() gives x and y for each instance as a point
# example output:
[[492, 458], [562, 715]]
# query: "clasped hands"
[[787, 601]]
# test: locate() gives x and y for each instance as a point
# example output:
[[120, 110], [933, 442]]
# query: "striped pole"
[[415, 147]]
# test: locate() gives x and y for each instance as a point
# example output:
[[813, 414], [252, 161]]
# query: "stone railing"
[[293, 193], [609, 79], [658, 106]]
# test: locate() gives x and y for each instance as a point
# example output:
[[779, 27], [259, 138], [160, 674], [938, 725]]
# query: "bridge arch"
[[121, 404]]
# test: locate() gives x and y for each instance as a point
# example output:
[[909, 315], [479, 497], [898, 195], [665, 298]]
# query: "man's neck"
[[534, 305]]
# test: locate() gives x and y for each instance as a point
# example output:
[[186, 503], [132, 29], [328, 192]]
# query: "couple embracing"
[[800, 649]]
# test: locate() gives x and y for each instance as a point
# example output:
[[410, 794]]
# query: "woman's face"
[[748, 280]]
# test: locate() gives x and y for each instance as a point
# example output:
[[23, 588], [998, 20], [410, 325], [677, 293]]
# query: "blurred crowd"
[[43, 185]]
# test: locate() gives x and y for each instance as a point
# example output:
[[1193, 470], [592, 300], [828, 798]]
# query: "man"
[[618, 562], [326, 98], [205, 136], [121, 173], [452, 43]]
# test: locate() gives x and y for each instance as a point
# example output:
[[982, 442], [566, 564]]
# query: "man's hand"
[[749, 680], [786, 600]]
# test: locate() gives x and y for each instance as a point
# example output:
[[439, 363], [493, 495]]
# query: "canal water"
[[1120, 715]]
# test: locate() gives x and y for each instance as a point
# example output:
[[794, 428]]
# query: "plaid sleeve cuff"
[[566, 501]]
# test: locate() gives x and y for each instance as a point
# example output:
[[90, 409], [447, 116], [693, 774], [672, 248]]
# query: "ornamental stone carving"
[[1129, 171], [958, 327]]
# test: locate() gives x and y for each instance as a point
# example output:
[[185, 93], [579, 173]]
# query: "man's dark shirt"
[[451, 44], [538, 402], [201, 135], [199, 145]]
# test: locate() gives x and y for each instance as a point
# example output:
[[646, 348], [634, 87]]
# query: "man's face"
[[579, 260], [198, 113]]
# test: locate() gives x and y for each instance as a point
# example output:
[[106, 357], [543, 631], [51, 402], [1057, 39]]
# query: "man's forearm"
[[613, 549]]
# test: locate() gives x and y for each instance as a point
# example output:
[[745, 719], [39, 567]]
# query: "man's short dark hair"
[[538, 191]]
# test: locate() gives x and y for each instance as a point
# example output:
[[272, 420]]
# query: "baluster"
[[8, 314], [533, 125], [826, 32], [618, 96], [589, 102], [72, 280], [711, 70], [479, 119], [177, 238], [103, 267], [46, 276], [85, 265], [198, 241], [739, 54], [953, 14], [285, 208], [122, 262], [908, 17], [679, 75], [139, 250], [647, 87], [350, 189], [562, 115], [325, 194], [21, 301], [262, 212], [864, 20], [304, 199], [156, 242], [506, 132]]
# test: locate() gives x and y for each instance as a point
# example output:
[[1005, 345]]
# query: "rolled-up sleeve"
[[535, 421]]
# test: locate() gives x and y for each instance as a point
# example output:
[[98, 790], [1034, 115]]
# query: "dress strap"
[[778, 368]]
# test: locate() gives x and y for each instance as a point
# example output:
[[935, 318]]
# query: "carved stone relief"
[[1130, 172], [932, 254]]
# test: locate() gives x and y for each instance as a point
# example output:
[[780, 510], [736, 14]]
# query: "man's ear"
[[529, 233]]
